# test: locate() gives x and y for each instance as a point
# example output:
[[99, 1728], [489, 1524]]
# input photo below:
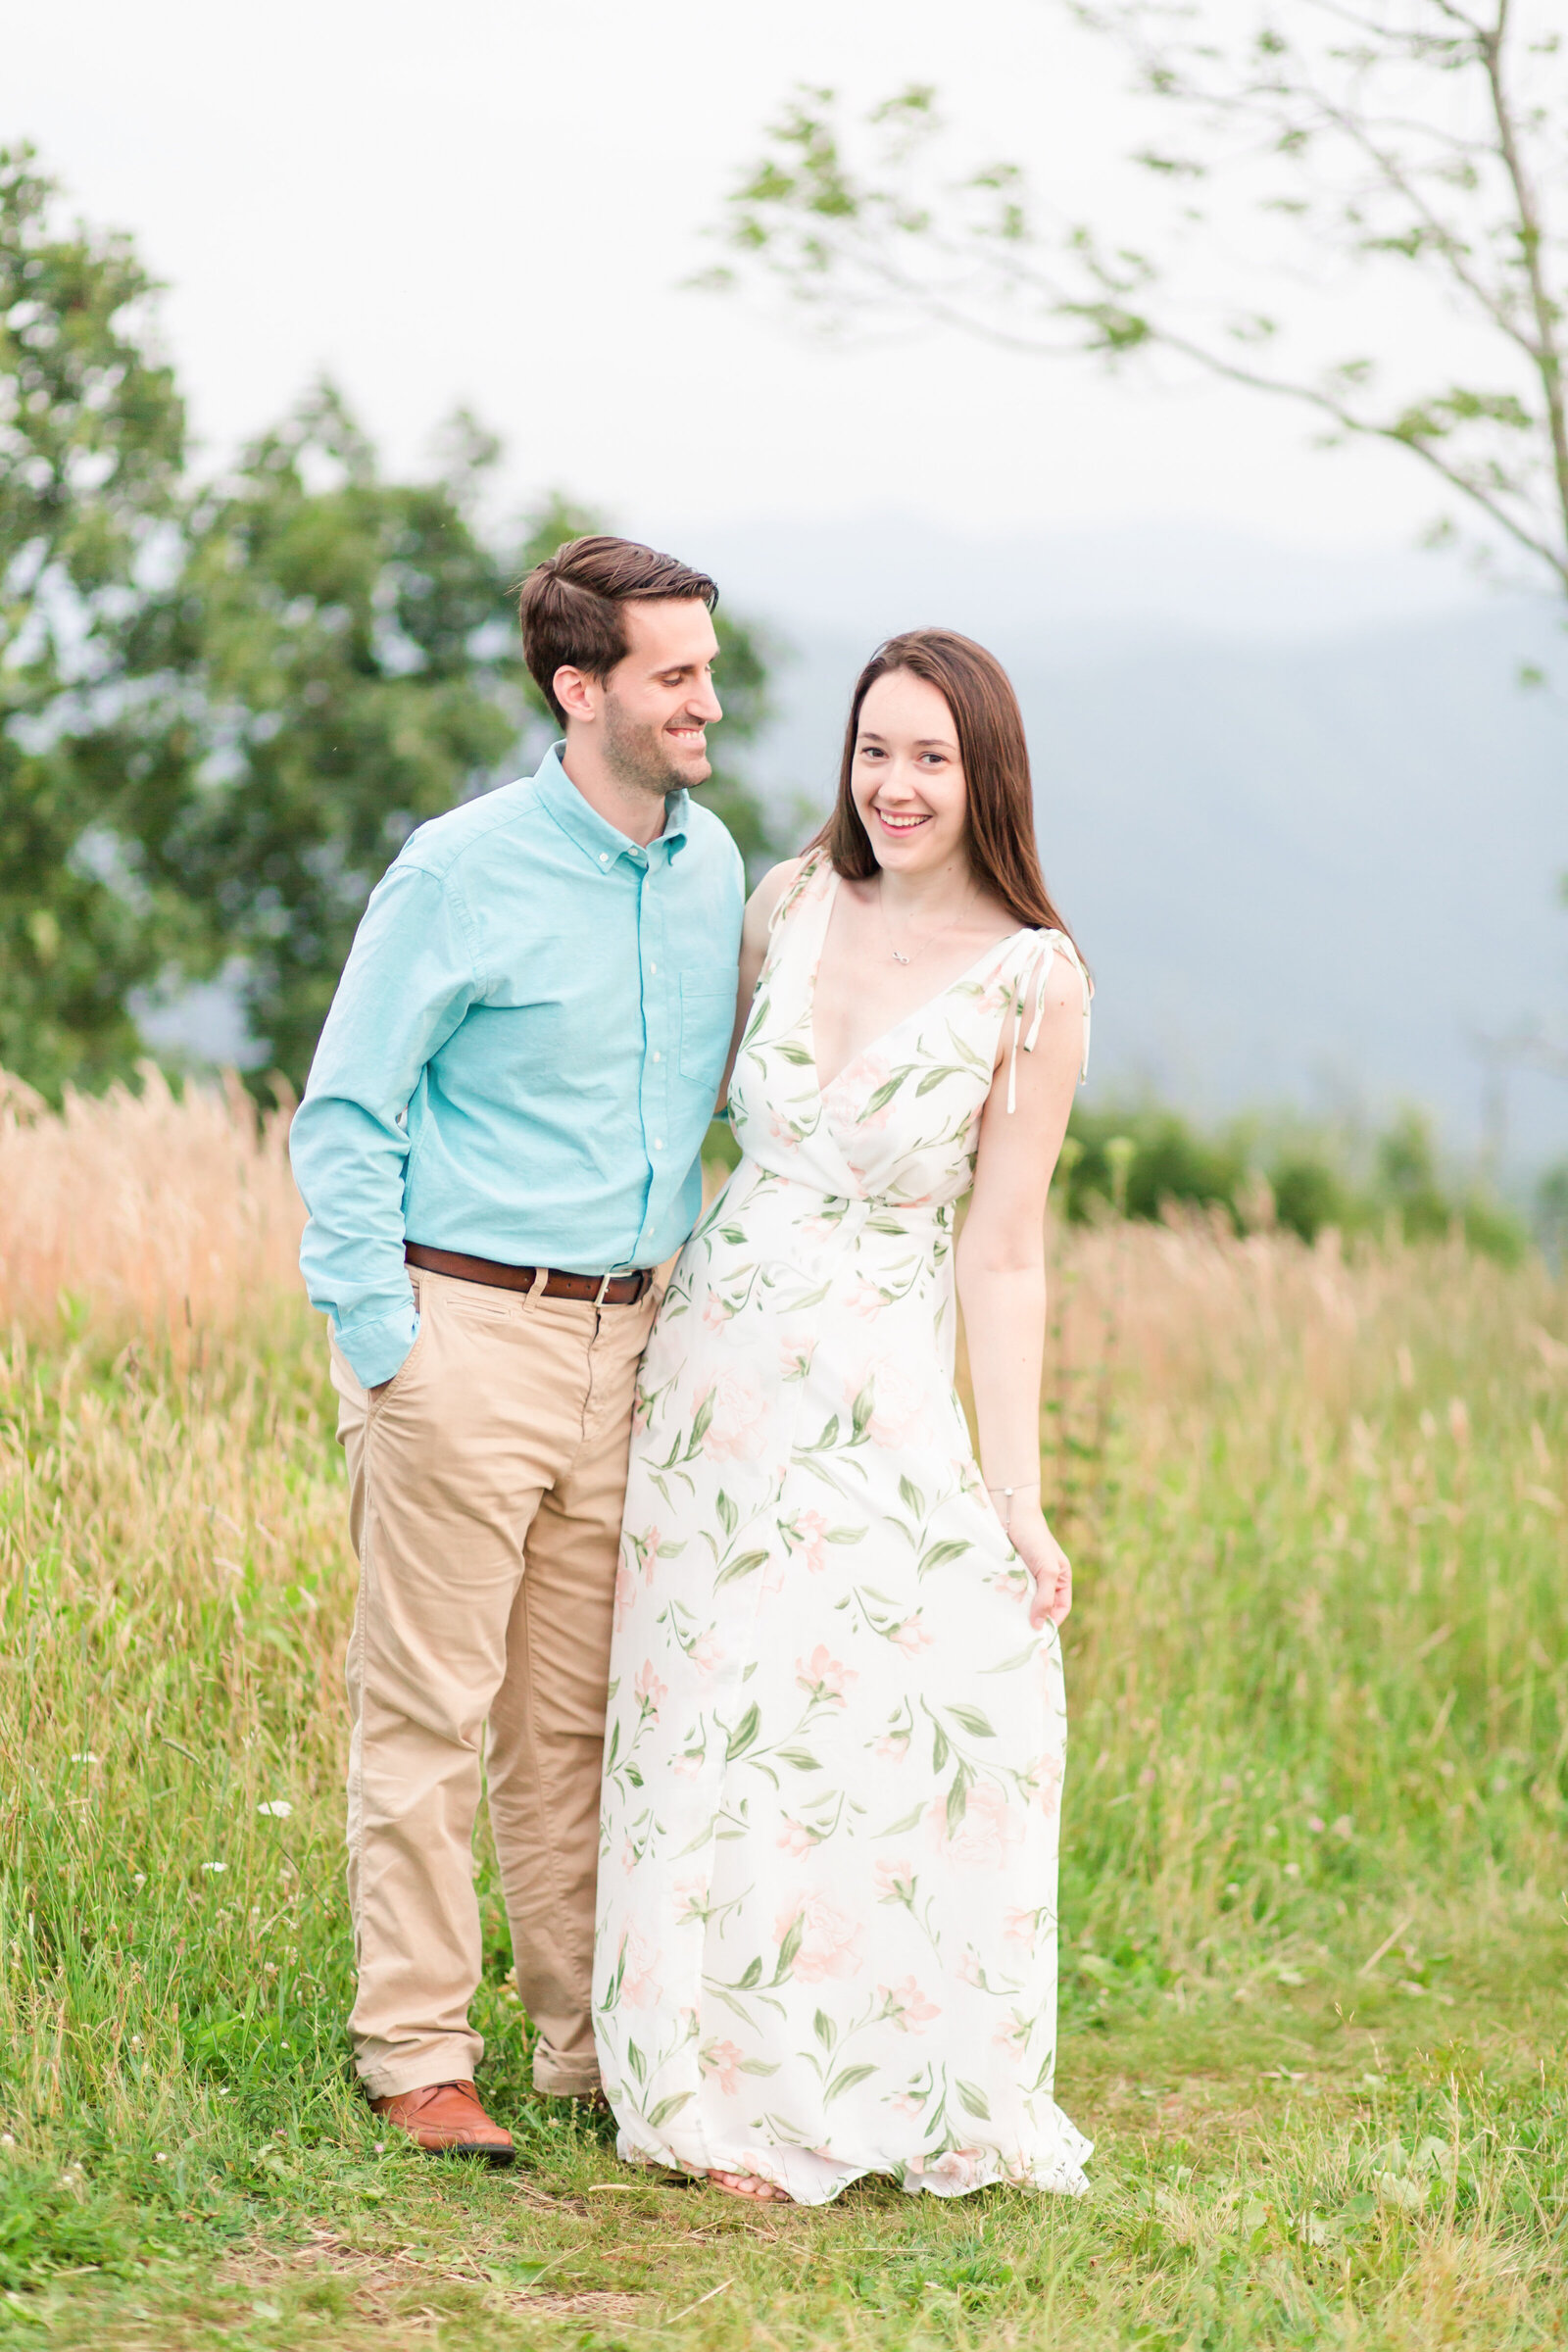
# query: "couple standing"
[[822, 1807]]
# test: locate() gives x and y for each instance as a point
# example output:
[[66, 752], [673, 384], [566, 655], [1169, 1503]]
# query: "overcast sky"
[[495, 201]]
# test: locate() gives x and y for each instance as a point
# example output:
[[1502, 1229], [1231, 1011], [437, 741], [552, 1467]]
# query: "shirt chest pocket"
[[707, 1018]]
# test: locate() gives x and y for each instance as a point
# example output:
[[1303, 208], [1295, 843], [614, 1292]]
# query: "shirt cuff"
[[375, 1350]]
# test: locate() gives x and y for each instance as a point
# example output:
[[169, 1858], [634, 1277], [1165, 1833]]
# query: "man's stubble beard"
[[636, 758]]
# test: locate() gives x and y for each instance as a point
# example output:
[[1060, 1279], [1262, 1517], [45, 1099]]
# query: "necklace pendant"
[[897, 959]]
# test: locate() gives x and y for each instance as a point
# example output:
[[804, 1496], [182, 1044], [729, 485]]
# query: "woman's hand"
[[1032, 1540]]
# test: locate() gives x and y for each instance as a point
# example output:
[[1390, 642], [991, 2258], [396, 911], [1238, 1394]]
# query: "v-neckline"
[[903, 1020]]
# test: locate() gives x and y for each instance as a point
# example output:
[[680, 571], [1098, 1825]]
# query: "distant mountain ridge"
[[1312, 859]]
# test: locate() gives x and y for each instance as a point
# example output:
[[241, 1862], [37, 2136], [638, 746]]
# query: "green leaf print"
[[939, 1748], [801, 1757], [794, 1937], [822, 2028], [865, 1406], [797, 1056], [973, 2102], [700, 1427], [912, 1497], [848, 1535], [636, 2061], [751, 1974], [747, 1565], [910, 1820], [745, 1732], [729, 1516], [669, 2107], [958, 1801], [972, 1720], [846, 2080], [942, 1556], [1025, 1657]]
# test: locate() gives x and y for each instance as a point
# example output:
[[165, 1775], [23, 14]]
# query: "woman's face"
[[908, 778]]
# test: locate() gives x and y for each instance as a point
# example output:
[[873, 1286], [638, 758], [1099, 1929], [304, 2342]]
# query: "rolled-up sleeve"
[[409, 979]]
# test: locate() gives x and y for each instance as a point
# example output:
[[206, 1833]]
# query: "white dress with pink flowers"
[[827, 1923]]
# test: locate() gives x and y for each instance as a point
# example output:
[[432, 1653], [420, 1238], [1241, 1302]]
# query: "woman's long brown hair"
[[999, 832]]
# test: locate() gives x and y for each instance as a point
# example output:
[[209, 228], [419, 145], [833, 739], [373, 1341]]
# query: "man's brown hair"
[[571, 606]]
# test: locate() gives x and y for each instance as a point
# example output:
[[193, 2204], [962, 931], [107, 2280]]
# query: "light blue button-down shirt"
[[523, 1056]]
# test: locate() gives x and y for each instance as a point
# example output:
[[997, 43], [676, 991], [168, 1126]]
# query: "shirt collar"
[[598, 840]]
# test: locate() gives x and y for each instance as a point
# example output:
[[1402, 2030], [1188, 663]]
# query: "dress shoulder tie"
[[1047, 947]]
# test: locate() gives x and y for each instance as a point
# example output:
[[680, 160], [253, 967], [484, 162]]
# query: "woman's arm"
[[754, 952], [1001, 1278]]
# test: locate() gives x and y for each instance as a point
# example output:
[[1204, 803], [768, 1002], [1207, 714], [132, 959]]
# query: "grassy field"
[[1313, 2013]]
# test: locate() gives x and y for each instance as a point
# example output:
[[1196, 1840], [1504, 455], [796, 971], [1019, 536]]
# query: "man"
[[499, 1141]]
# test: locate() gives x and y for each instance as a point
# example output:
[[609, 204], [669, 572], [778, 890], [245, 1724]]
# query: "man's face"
[[660, 699]]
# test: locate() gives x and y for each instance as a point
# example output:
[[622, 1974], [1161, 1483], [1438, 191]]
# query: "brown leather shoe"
[[447, 2119]]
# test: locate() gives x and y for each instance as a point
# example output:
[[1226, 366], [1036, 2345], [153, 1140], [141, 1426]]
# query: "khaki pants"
[[486, 1487]]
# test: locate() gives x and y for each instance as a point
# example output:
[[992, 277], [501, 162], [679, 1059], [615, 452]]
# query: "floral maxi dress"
[[827, 1930]]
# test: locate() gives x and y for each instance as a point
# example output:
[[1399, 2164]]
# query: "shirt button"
[[604, 856], [653, 967], [658, 1143], [658, 1058]]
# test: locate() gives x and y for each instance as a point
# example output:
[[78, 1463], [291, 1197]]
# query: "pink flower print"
[[715, 1314], [650, 1689], [1043, 1779], [895, 1882], [995, 998], [893, 1747], [824, 1677], [906, 2007], [827, 1938], [905, 2105], [795, 1357], [628, 1856], [646, 1546], [639, 1410], [796, 1838], [706, 1655], [1014, 2036], [985, 1837], [807, 1531], [900, 1401], [1020, 1927], [639, 1982], [722, 2060], [964, 2167], [865, 1301], [968, 1970], [625, 1594], [689, 1765], [783, 1132], [735, 1428], [873, 1073], [912, 1637], [692, 1899]]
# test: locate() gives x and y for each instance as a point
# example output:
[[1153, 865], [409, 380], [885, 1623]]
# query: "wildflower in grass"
[[87, 1757], [277, 1809], [215, 1867]]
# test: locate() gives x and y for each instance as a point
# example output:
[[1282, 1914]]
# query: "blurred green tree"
[[92, 437], [224, 707], [353, 670]]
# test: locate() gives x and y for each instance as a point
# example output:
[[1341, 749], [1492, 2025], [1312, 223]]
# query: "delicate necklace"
[[898, 956]]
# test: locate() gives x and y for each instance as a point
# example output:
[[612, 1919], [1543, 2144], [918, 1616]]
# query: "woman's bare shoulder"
[[764, 902]]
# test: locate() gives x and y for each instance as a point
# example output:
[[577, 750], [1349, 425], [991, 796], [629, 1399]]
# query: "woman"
[[828, 1882]]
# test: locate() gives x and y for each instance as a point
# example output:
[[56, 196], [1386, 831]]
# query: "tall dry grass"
[[151, 1215]]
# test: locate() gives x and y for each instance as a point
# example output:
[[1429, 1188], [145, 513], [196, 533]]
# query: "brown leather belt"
[[601, 1290]]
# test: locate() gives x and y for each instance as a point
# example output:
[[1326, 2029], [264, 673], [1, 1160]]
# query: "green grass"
[[1314, 2004]]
